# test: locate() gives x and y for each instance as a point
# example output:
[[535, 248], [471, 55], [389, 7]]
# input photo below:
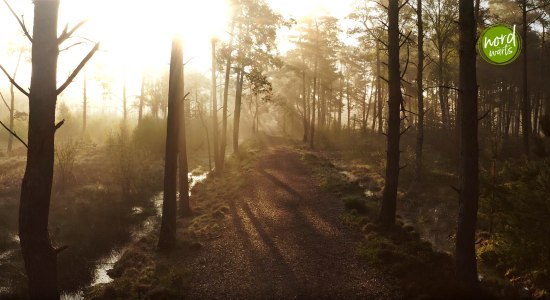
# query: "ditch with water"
[[104, 264]]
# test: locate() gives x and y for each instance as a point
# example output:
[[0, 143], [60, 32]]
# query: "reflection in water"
[[145, 228]]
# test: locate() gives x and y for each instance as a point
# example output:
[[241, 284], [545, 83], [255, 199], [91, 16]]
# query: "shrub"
[[355, 202], [65, 159]]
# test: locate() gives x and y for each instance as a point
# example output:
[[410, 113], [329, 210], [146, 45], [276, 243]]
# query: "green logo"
[[499, 44]]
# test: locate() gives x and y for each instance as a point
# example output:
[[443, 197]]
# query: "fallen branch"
[[14, 134]]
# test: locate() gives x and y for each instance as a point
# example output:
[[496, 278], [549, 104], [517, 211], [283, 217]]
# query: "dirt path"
[[284, 239]]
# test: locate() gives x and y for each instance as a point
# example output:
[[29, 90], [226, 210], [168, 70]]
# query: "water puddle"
[[101, 275]]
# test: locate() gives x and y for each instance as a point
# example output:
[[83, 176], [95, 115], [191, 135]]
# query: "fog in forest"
[[274, 149]]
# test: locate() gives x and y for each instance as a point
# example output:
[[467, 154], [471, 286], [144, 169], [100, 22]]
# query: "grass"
[[89, 215], [422, 273], [144, 273]]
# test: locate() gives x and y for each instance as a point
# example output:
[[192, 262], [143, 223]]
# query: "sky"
[[136, 35]]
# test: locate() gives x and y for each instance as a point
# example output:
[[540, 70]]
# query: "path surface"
[[284, 240]]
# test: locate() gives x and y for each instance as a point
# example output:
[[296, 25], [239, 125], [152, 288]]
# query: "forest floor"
[[285, 239], [283, 223]]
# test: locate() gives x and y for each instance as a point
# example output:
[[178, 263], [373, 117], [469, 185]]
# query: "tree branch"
[[67, 34], [21, 23], [442, 86], [14, 134], [58, 125], [6, 103], [405, 130], [484, 115], [69, 47], [78, 69], [13, 82]]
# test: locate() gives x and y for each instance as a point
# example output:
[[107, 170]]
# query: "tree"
[[12, 101], [256, 34], [183, 167], [389, 197], [441, 15], [141, 102], [420, 89], [215, 126], [226, 95], [466, 268], [167, 237], [39, 256], [84, 104]]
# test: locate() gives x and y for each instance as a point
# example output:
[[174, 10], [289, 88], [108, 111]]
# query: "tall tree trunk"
[[389, 196], [466, 268], [349, 108], [526, 101], [304, 104], [217, 162], [225, 97], [183, 167], [167, 237], [84, 105], [420, 90], [237, 113], [141, 99], [340, 105], [379, 89], [441, 90], [38, 254], [124, 103], [12, 102], [312, 123]]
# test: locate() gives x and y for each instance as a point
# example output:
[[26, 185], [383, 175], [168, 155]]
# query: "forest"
[[275, 149]]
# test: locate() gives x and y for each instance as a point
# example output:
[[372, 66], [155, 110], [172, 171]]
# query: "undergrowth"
[[145, 273], [399, 252]]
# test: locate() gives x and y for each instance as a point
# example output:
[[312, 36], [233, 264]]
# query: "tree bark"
[[225, 98], [420, 90], [215, 110], [389, 196], [124, 103], [312, 123], [183, 167], [526, 101], [12, 102], [38, 254], [141, 99], [237, 113], [304, 104], [167, 237], [466, 268], [379, 89]]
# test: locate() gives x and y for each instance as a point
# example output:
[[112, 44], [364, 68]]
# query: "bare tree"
[[217, 162], [420, 88], [84, 104], [183, 167], [38, 253], [466, 267], [167, 237], [225, 96], [389, 198]]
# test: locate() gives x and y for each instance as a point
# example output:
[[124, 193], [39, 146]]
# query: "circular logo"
[[499, 44]]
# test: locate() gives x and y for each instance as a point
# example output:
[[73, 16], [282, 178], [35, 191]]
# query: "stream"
[[107, 262]]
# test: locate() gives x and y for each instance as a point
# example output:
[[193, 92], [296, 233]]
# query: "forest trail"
[[284, 239]]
